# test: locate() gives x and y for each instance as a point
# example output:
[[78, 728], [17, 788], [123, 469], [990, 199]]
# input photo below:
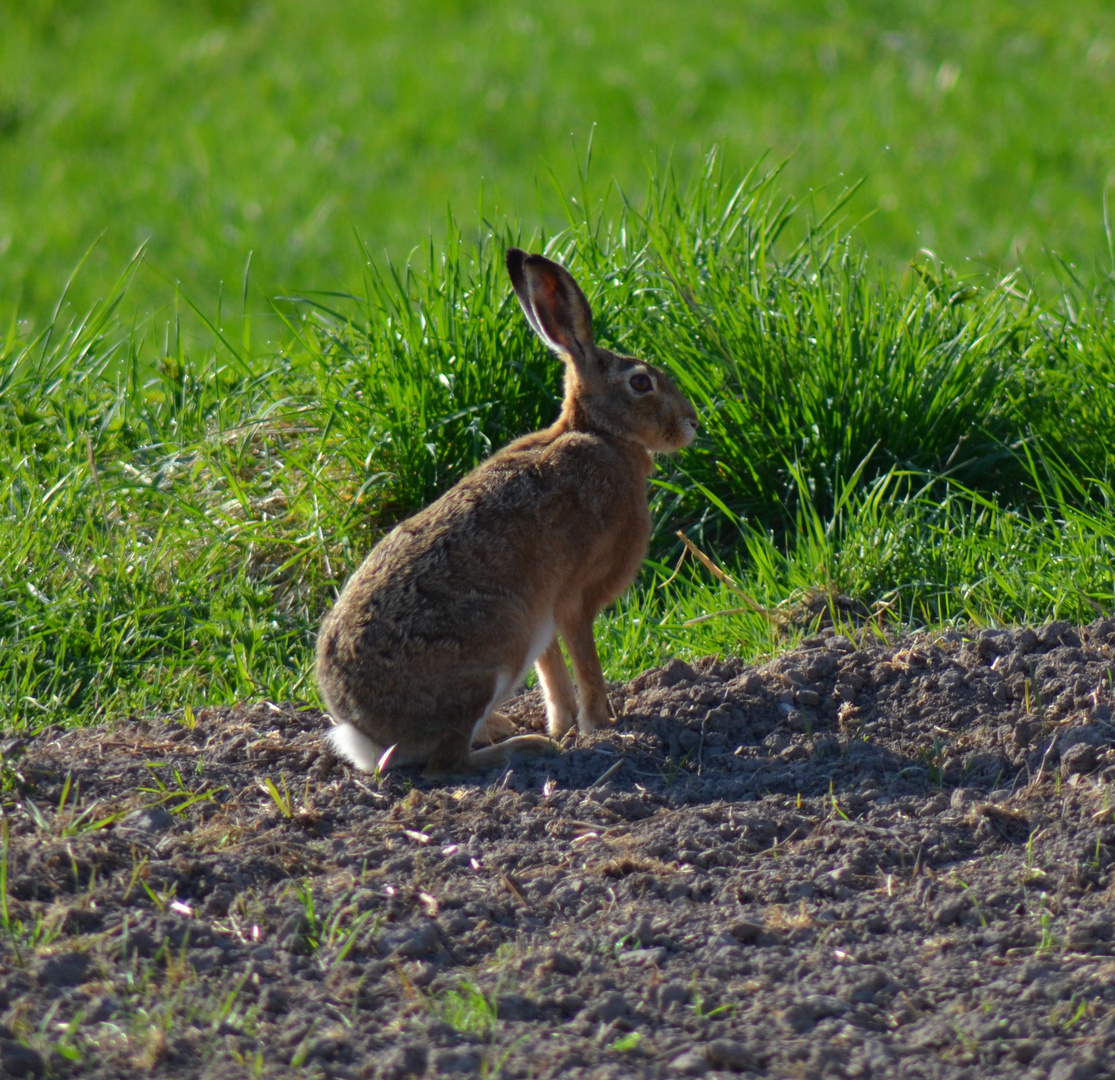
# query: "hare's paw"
[[559, 721], [495, 728], [597, 720]]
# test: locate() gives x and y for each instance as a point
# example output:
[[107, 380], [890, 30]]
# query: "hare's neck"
[[575, 417], [578, 414]]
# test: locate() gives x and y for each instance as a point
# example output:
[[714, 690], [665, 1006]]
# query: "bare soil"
[[867, 858]]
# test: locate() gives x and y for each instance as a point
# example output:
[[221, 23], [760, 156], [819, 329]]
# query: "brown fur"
[[450, 609]]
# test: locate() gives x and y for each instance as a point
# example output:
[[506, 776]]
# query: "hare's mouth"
[[687, 430], [677, 437]]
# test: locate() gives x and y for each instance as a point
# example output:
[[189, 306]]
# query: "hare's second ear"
[[553, 302], [515, 259]]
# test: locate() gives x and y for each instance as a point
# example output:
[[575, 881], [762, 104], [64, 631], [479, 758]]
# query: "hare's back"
[[500, 545], [451, 567]]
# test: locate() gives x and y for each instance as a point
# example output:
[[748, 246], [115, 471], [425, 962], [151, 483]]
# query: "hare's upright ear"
[[553, 303]]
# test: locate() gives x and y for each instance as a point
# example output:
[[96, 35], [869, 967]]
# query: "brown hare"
[[450, 609]]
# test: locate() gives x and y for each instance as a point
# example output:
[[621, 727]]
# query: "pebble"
[[151, 819], [570, 1004], [690, 1063], [805, 1013], [562, 962], [403, 1062], [409, 941], [673, 992], [457, 1061], [643, 958], [17, 1060], [275, 999], [797, 1019], [611, 1006], [729, 1054], [745, 931], [950, 912], [1081, 758], [963, 798], [69, 969], [1067, 1069]]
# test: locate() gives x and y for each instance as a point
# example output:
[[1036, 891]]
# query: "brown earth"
[[865, 859]]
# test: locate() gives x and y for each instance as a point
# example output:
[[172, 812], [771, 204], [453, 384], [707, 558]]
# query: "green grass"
[[211, 129], [177, 517]]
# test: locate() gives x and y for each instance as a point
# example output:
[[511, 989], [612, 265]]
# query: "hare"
[[450, 609]]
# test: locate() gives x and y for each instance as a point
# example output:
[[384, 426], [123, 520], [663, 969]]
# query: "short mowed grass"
[[177, 517]]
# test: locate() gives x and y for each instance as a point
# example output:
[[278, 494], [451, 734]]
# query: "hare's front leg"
[[593, 713], [557, 688]]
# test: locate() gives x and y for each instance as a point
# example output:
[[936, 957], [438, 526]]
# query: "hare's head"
[[603, 391]]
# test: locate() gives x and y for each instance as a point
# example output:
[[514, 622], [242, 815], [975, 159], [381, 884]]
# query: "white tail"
[[355, 747]]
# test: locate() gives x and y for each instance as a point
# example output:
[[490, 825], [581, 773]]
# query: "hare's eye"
[[641, 383]]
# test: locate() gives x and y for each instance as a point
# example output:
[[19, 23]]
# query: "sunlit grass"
[[176, 519], [896, 555], [214, 128]]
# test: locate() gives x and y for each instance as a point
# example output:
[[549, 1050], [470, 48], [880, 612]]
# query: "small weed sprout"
[[626, 1043], [626, 943], [1047, 941], [181, 797], [139, 870], [10, 926], [65, 1046], [1080, 1013], [469, 1010], [335, 935], [281, 799], [697, 1004], [312, 927], [160, 898], [674, 768], [10, 777], [1030, 849], [338, 931]]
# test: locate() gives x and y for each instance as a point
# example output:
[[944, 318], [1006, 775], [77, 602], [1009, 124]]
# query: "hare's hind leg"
[[498, 753], [453, 753], [478, 719], [475, 719], [557, 688]]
